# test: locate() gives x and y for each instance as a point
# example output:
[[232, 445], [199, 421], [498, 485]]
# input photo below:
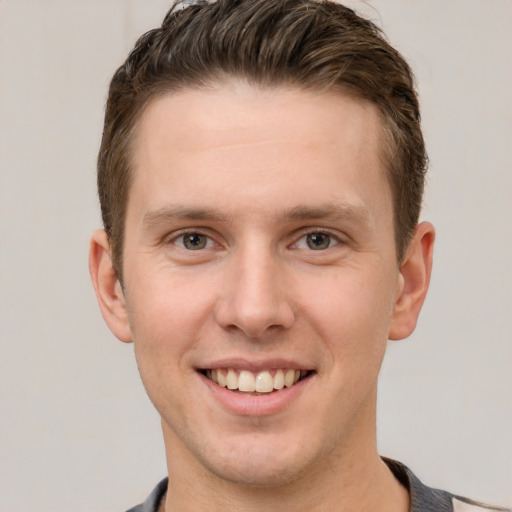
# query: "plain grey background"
[[77, 432]]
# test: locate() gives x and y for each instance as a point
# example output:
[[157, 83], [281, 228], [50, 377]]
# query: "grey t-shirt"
[[423, 498]]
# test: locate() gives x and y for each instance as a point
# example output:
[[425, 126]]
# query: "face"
[[260, 277]]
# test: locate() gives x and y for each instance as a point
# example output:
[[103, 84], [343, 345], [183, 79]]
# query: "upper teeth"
[[262, 382]]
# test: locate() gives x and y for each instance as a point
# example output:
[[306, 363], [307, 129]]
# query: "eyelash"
[[181, 236], [333, 241]]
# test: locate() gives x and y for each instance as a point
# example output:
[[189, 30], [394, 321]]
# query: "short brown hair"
[[310, 44]]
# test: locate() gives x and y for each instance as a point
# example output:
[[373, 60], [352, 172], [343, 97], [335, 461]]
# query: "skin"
[[254, 172]]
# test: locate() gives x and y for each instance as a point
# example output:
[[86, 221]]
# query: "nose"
[[255, 299]]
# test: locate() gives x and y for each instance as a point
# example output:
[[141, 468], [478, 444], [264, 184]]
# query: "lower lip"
[[256, 405]]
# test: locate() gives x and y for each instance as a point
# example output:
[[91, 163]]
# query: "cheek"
[[351, 312], [167, 321], [167, 316]]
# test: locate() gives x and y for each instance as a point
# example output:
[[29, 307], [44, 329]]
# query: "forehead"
[[209, 112], [236, 136]]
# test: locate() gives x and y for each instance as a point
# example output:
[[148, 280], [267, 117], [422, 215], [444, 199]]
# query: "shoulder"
[[423, 498], [466, 505], [153, 501], [428, 499]]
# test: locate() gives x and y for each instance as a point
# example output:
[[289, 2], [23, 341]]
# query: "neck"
[[354, 479], [376, 489]]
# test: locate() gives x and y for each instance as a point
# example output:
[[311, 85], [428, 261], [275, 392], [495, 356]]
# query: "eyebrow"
[[171, 213], [328, 211]]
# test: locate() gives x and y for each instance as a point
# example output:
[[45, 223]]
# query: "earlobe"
[[107, 287], [415, 279]]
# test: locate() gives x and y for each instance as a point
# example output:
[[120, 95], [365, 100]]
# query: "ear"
[[415, 278], [107, 287]]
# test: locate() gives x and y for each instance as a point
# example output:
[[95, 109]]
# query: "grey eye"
[[318, 241], [193, 241]]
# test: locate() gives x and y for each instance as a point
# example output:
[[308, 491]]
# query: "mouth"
[[261, 382]]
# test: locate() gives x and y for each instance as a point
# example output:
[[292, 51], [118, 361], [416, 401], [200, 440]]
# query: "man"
[[260, 179]]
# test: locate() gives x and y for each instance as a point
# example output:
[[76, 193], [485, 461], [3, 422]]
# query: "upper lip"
[[255, 365]]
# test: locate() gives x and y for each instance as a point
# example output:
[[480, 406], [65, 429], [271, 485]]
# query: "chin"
[[266, 464], [256, 473]]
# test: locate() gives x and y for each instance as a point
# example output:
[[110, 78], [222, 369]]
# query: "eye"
[[193, 241], [316, 241]]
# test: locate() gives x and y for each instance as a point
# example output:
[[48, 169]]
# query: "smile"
[[265, 381]]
